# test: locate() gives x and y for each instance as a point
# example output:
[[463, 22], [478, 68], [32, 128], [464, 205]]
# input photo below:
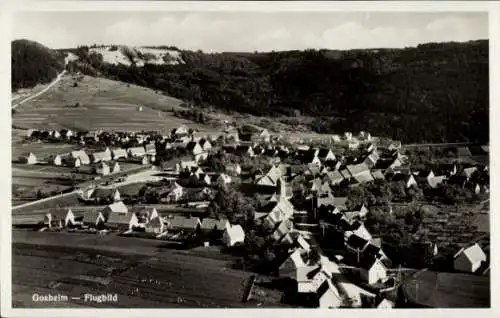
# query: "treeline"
[[33, 63], [430, 93]]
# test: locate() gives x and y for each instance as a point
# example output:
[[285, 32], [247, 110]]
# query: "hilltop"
[[436, 92], [33, 63]]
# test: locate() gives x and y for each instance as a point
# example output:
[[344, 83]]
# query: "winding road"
[[58, 78]]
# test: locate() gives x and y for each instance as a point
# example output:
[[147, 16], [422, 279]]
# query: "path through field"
[[58, 78]]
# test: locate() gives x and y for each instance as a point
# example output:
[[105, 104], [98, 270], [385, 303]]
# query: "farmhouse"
[[82, 155], [122, 221], [103, 169], [102, 195], [56, 160], [116, 168], [59, 218], [137, 152], [372, 270], [155, 225], [205, 144], [176, 193], [119, 153], [93, 218], [101, 156], [285, 227], [180, 131], [326, 155], [186, 225], [233, 234], [469, 259], [28, 158], [150, 149], [115, 208], [71, 162], [329, 296], [407, 179], [209, 226], [233, 169]]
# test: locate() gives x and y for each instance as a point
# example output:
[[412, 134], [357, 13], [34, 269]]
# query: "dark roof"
[[268, 207], [371, 250], [323, 288], [356, 242], [190, 145], [323, 152], [367, 262]]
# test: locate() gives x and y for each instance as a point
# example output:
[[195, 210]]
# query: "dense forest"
[[33, 63], [434, 92]]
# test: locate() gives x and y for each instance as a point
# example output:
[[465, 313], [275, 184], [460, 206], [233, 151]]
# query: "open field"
[[142, 272], [448, 290], [104, 104]]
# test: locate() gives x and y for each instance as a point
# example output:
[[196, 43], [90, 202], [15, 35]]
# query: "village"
[[288, 203]]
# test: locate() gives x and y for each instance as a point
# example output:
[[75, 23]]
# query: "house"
[[358, 169], [434, 182], [356, 244], [243, 150], [147, 160], [334, 177], [101, 156], [28, 158], [264, 136], [407, 179], [377, 174], [116, 168], [102, 195], [325, 154], [284, 228], [469, 259], [118, 153], [82, 155], [194, 148], [176, 193], [265, 180], [205, 178], [294, 261], [468, 172], [136, 152], [233, 234], [72, 162], [115, 208], [103, 169], [55, 134], [371, 159], [223, 179], [309, 157], [362, 177], [184, 224], [277, 212], [122, 221], [385, 304], [94, 219], [150, 149], [233, 169], [155, 225], [205, 144], [185, 164], [372, 270], [201, 156], [182, 130], [210, 226], [59, 218], [329, 296], [56, 161]]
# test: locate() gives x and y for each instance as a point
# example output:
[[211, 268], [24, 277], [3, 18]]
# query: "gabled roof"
[[90, 216], [119, 218], [356, 242], [363, 177], [474, 253], [191, 145], [117, 207]]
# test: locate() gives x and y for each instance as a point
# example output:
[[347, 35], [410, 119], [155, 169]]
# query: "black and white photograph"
[[249, 159]]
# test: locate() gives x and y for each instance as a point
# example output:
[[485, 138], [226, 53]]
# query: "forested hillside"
[[433, 92], [33, 63]]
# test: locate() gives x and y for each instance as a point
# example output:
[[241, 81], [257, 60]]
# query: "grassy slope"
[[104, 104]]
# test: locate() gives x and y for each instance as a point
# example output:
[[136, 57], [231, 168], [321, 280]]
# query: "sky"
[[249, 31]]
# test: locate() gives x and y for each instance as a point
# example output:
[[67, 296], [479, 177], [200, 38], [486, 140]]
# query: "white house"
[[63, 219], [155, 225], [115, 208], [119, 153], [385, 304], [233, 234], [469, 259], [137, 152], [28, 158], [176, 193], [116, 168], [82, 155], [103, 169], [56, 161], [373, 271], [101, 156], [329, 296]]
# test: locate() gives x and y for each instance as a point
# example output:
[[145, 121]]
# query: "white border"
[[407, 6]]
